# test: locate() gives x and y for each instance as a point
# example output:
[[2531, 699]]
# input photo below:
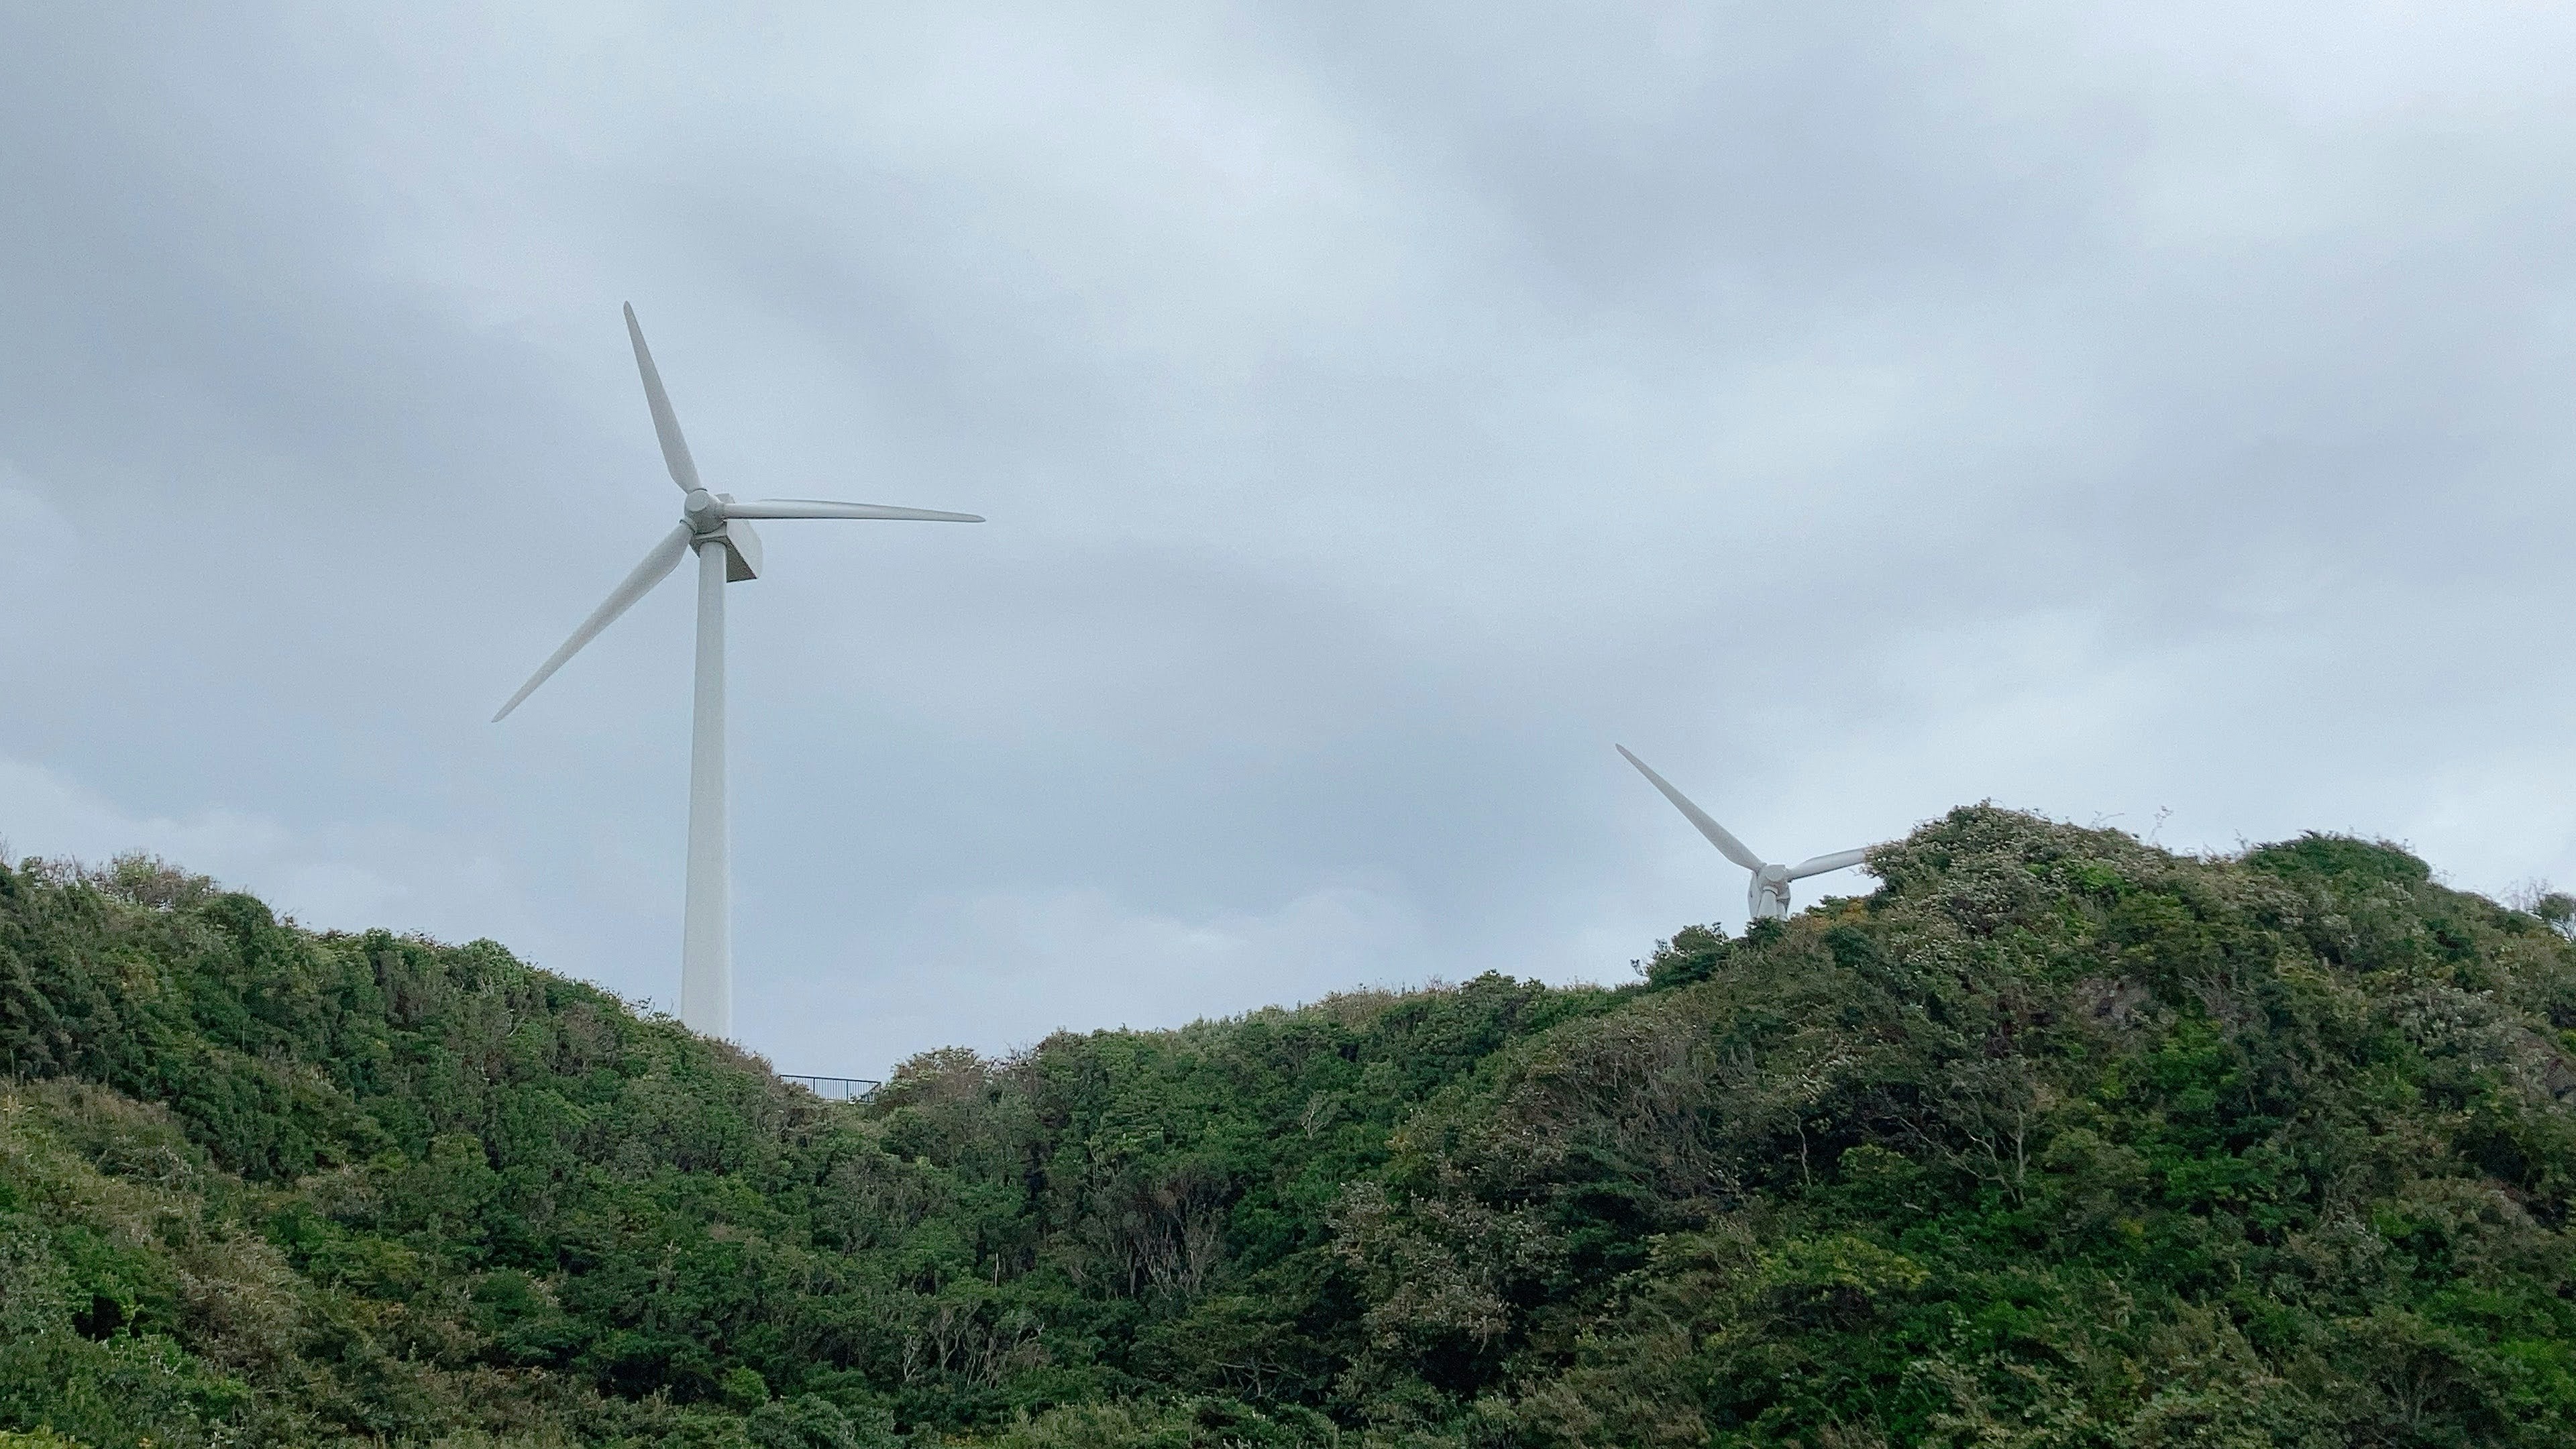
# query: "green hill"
[[2056, 1139]]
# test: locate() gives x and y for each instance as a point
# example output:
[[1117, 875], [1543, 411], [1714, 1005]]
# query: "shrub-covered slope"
[[2055, 1139]]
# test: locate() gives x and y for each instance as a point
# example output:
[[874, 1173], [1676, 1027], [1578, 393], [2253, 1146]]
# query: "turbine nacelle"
[[742, 550], [1766, 896]]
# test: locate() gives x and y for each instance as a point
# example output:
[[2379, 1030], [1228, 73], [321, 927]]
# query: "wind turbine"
[[719, 529], [1767, 898]]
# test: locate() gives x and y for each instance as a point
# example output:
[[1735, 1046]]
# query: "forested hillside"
[[2056, 1139]]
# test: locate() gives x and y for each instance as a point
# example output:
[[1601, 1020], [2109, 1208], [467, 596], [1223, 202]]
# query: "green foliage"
[[2342, 860], [38, 1439], [2056, 1139]]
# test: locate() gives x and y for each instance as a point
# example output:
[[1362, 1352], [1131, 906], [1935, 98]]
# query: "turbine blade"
[[656, 566], [666, 424], [1717, 834], [821, 508], [1819, 864]]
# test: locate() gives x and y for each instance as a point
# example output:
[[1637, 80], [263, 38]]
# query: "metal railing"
[[836, 1089]]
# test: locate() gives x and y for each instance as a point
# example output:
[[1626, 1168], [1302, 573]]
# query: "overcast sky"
[[2155, 415]]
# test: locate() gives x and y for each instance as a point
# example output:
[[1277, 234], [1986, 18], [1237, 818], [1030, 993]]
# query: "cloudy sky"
[[2147, 415]]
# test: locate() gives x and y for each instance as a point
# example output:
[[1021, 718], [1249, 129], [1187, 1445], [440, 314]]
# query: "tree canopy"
[[2054, 1139]]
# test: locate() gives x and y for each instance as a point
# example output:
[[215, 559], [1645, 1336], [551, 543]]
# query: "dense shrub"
[[2055, 1139]]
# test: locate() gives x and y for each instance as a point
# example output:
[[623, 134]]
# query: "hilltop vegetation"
[[2055, 1139]]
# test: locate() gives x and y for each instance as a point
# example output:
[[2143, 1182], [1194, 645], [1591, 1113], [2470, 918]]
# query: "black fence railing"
[[836, 1089]]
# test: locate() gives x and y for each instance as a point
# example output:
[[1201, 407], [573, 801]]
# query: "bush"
[[2054, 1138]]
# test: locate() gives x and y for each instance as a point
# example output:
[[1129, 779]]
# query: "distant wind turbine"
[[1767, 898], [728, 552]]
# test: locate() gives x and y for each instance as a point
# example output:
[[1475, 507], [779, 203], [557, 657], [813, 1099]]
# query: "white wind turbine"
[[728, 552], [1767, 898]]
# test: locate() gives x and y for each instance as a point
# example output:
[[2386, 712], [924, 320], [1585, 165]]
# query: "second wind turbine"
[[719, 529], [1767, 898]]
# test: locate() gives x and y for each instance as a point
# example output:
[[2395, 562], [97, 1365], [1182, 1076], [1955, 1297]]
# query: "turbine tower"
[[719, 529], [1767, 898]]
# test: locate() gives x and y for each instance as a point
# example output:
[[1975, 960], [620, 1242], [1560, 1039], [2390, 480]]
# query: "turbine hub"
[[1767, 898], [704, 512]]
